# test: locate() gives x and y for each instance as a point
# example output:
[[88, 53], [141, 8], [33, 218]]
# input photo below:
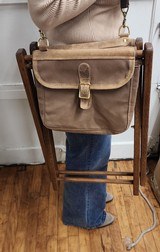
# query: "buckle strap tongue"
[[84, 87]]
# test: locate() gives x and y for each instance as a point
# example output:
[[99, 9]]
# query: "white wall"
[[143, 19], [154, 129], [18, 138]]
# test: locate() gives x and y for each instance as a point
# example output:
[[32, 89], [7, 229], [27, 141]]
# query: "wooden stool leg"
[[137, 130], [148, 57], [45, 135], [51, 156], [137, 144]]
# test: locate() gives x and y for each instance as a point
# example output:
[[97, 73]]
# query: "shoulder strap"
[[124, 4]]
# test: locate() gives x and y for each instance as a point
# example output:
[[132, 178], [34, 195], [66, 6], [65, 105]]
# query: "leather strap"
[[124, 4], [84, 87]]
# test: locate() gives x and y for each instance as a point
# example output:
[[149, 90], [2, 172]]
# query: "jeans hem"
[[87, 227]]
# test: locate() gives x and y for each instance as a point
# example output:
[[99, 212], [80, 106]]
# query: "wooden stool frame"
[[144, 55]]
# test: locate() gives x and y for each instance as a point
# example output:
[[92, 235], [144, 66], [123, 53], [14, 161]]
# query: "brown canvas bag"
[[87, 87]]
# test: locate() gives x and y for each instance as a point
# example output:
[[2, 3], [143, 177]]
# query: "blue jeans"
[[84, 203]]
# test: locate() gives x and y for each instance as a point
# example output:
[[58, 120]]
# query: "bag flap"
[[110, 68]]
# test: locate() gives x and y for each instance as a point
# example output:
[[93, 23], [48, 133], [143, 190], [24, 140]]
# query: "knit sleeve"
[[48, 14]]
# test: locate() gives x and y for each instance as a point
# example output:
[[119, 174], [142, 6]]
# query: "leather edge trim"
[[99, 86]]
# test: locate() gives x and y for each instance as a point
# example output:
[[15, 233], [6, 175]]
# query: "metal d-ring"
[[123, 34], [42, 39], [124, 26]]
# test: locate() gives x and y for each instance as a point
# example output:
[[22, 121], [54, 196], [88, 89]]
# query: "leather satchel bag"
[[87, 87]]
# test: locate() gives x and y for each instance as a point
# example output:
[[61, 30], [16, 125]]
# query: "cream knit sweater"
[[76, 21]]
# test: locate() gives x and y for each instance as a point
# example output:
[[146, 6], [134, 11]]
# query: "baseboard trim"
[[33, 155], [12, 2], [127, 153], [12, 92]]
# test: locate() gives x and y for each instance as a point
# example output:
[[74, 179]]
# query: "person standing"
[[80, 21]]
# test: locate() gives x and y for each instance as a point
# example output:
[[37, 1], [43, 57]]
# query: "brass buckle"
[[84, 91]]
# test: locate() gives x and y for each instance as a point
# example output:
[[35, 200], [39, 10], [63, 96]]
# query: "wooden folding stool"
[[141, 120]]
